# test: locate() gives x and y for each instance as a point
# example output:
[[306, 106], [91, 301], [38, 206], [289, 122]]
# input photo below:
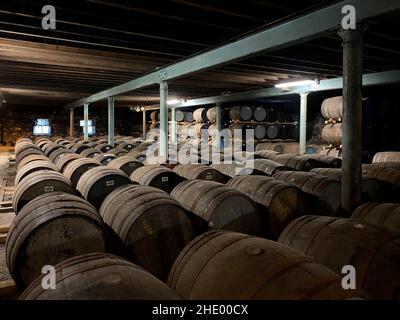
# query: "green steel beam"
[[285, 34], [371, 79]]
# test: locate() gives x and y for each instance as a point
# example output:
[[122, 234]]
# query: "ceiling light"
[[296, 84], [173, 101]]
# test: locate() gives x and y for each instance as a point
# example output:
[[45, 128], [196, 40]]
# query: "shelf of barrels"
[[272, 129], [115, 226]]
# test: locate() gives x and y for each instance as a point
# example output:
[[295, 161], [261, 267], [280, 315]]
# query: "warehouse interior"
[[162, 141]]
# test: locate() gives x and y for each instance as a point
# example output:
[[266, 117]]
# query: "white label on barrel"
[[132, 164], [208, 176], [109, 183], [49, 189], [164, 179]]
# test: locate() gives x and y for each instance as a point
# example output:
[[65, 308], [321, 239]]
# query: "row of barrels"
[[299, 265], [236, 113], [260, 131], [208, 200]]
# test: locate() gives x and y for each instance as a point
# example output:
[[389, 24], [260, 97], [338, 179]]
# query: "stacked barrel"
[[332, 111]]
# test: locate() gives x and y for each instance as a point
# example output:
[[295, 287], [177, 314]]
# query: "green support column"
[[86, 121], [303, 123], [71, 122], [111, 101], [163, 152]]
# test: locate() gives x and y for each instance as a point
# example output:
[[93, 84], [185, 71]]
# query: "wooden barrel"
[[233, 169], [64, 142], [272, 132], [212, 114], [76, 168], [154, 125], [179, 116], [59, 140], [22, 140], [31, 158], [157, 176], [279, 202], [200, 115], [260, 114], [386, 215], [64, 159], [79, 147], [188, 116], [200, 172], [127, 164], [268, 167], [270, 146], [221, 265], [383, 173], [34, 166], [241, 113], [26, 153], [118, 152], [70, 145], [104, 158], [332, 108], [51, 228], [151, 224], [52, 147], [372, 189], [98, 276], [386, 157], [139, 155], [221, 206], [97, 183], [332, 134], [39, 141], [187, 131], [127, 146], [90, 153], [58, 152], [295, 162], [260, 131], [199, 127], [38, 183], [337, 153], [104, 147], [92, 144], [326, 191], [42, 143], [373, 251], [329, 161], [155, 116], [24, 145], [331, 173]]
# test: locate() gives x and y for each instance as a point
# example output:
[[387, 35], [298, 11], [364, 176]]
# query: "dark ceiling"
[[99, 44]]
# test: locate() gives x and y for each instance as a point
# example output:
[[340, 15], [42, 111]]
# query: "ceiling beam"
[[297, 30]]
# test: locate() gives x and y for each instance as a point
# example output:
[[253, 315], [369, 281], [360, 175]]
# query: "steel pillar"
[[352, 119], [86, 121], [173, 126], [71, 122], [163, 139], [303, 123], [111, 102], [144, 124]]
